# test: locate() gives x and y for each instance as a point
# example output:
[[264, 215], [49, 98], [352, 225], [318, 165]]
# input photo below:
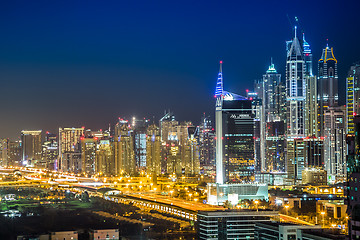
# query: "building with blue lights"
[[295, 89], [235, 148], [235, 136]]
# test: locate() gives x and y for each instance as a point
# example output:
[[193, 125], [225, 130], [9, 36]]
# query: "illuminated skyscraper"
[[190, 158], [105, 159], [295, 89], [139, 126], [124, 148], [220, 176], [311, 108], [235, 140], [88, 155], [206, 142], [31, 146], [352, 96], [327, 84], [153, 150], [50, 150], [69, 144], [272, 93], [4, 158], [15, 153], [307, 57], [311, 103], [167, 125], [335, 147], [304, 153]]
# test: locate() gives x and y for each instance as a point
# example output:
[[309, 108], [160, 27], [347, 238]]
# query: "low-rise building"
[[231, 224], [104, 234]]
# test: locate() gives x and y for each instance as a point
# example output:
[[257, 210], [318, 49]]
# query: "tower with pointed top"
[[218, 125], [327, 84], [295, 89], [235, 136]]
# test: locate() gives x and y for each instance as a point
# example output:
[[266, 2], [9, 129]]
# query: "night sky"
[[86, 63]]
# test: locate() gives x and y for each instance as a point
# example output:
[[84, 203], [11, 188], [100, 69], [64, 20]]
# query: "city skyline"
[[82, 66]]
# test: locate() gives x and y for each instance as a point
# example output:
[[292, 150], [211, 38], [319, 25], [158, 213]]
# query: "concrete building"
[[314, 176], [279, 231], [104, 234], [218, 194]]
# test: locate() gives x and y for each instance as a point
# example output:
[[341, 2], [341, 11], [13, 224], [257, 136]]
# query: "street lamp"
[[323, 218], [286, 208], [256, 204]]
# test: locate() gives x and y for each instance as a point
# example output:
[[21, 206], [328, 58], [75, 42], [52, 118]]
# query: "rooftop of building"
[[323, 234], [238, 212]]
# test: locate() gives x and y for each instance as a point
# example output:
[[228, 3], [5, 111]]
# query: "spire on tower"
[[295, 31], [219, 84]]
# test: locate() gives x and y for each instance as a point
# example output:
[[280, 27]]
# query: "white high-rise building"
[[295, 89]]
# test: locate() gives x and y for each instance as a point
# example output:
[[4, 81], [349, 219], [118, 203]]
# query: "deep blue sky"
[[86, 63]]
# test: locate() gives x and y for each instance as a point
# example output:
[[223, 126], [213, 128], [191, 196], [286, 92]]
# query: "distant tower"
[[307, 57], [206, 142], [218, 123], [273, 97], [311, 104], [69, 145], [31, 146], [352, 96], [327, 84], [295, 89]]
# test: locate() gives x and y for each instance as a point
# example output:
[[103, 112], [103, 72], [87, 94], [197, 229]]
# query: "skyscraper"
[[335, 148], [304, 153], [15, 153], [153, 150], [274, 104], [311, 103], [327, 84], [206, 142], [139, 126], [295, 89], [69, 144], [31, 146], [88, 155], [105, 159], [352, 96], [235, 140], [4, 155], [124, 148], [50, 150], [190, 158]]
